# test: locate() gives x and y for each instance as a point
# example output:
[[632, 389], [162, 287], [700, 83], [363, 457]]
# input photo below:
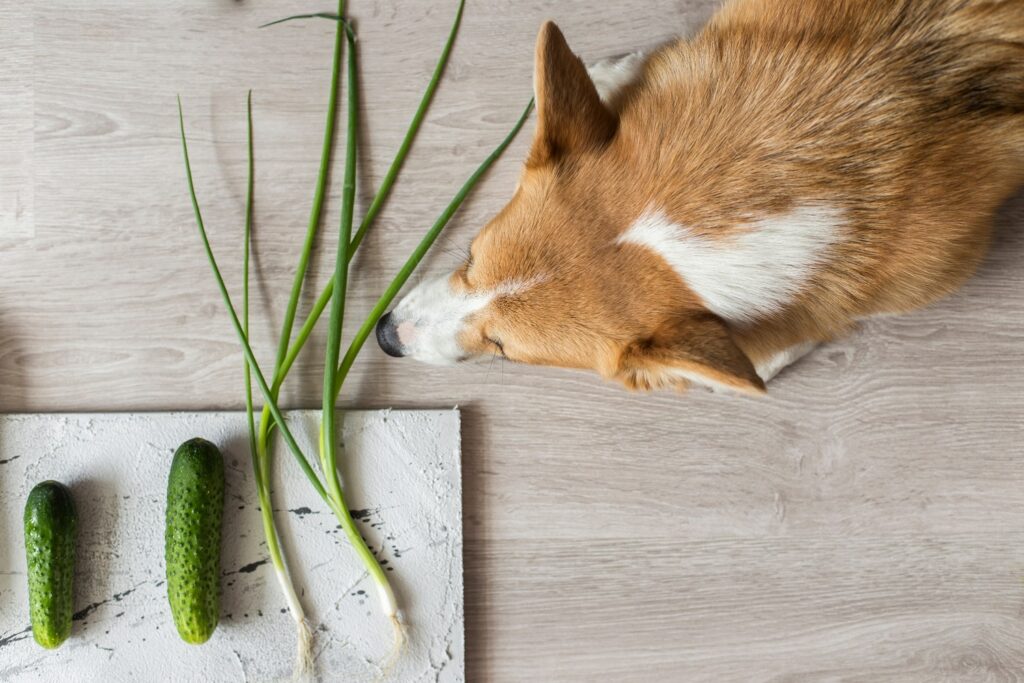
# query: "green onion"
[[260, 445], [262, 449], [328, 434], [328, 455], [266, 422], [304, 638], [249, 200], [314, 15], [336, 367], [318, 198], [271, 406]]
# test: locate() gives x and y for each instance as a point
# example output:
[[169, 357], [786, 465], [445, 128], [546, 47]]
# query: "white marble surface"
[[403, 473]]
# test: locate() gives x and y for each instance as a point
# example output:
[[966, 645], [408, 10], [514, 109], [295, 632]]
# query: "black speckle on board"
[[118, 596], [87, 610], [248, 568], [4, 462], [15, 637], [303, 511], [252, 566], [361, 515]]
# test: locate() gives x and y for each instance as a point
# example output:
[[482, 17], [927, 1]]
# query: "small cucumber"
[[50, 522], [195, 506]]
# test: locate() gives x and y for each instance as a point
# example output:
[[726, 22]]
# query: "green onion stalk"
[[269, 396], [337, 366], [260, 444], [285, 359], [328, 434], [304, 637]]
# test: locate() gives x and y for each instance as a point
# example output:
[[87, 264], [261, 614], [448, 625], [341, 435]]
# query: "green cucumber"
[[50, 522], [195, 507]]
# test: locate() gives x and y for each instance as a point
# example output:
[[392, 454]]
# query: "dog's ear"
[[571, 116], [694, 348]]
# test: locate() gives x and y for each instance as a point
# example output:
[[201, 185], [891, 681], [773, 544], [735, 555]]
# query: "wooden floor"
[[864, 523]]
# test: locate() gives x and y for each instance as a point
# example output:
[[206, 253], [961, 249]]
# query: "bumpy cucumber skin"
[[50, 522], [195, 507]]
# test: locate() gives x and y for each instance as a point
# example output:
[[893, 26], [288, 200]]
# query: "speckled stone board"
[[402, 473]]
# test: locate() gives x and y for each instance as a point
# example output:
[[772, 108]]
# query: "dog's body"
[[712, 212]]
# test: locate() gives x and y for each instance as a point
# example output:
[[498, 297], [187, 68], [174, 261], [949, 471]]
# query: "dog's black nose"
[[387, 337]]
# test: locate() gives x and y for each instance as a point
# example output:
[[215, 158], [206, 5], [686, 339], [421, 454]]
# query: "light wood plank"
[[16, 87]]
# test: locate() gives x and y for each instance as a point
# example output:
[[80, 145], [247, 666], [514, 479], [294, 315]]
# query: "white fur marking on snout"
[[753, 274], [432, 315]]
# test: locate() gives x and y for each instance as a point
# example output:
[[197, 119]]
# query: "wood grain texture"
[[864, 523]]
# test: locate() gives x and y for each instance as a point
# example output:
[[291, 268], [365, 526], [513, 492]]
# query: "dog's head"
[[548, 281]]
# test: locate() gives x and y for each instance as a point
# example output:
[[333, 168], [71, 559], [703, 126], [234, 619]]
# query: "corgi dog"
[[712, 211]]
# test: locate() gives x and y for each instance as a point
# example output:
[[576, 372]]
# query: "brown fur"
[[906, 114]]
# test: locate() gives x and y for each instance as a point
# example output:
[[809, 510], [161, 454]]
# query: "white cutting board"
[[401, 471]]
